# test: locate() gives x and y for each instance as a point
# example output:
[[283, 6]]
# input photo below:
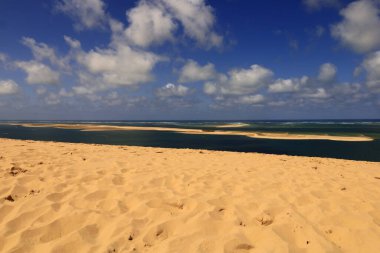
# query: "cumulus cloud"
[[193, 72], [327, 72], [254, 76], [239, 81], [319, 93], [359, 29], [8, 87], [319, 4], [42, 51], [287, 85], [239, 86], [87, 14], [38, 73], [149, 24], [118, 64], [156, 21], [121, 65], [172, 90], [372, 66], [197, 19], [251, 99]]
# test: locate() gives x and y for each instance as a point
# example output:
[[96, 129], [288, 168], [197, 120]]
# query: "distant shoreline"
[[259, 135]]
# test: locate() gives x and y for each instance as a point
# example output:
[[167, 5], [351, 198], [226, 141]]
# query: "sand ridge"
[[62, 197], [260, 135]]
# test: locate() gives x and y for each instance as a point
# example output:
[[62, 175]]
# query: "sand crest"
[[62, 197]]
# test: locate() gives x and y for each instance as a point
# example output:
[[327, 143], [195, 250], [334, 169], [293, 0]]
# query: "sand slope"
[[93, 198]]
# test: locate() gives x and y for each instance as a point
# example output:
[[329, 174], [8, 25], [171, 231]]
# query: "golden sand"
[[62, 197], [260, 135]]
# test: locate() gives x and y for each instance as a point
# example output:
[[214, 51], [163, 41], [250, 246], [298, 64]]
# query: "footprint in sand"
[[236, 245], [89, 233], [118, 180], [161, 232], [155, 234], [62, 227], [97, 195], [58, 196]]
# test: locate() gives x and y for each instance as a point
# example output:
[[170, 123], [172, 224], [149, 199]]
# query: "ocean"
[[365, 151]]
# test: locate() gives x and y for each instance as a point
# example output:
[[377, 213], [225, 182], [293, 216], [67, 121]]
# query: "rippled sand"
[[61, 197]]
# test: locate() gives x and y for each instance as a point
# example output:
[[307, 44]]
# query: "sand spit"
[[62, 197], [277, 136], [233, 125]]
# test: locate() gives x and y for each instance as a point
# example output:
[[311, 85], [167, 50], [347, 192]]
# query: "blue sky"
[[189, 59]]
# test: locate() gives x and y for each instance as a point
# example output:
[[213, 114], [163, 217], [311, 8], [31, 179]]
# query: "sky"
[[189, 59]]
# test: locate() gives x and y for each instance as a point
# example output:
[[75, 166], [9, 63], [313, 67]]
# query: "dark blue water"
[[366, 151]]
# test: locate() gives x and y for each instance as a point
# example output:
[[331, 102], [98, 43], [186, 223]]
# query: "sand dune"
[[260, 135], [61, 197]]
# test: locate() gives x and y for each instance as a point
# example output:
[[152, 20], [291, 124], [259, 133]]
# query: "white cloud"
[[89, 84], [75, 44], [193, 72], [8, 87], [239, 81], [210, 88], [41, 51], [121, 65], [372, 66], [64, 93], [251, 99], [318, 4], [38, 73], [278, 103], [238, 86], [156, 21], [172, 90], [197, 19], [287, 85], [359, 28], [118, 64], [327, 72], [319, 93], [149, 24], [88, 14], [255, 76]]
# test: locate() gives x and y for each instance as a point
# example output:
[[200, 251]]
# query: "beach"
[[66, 197]]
